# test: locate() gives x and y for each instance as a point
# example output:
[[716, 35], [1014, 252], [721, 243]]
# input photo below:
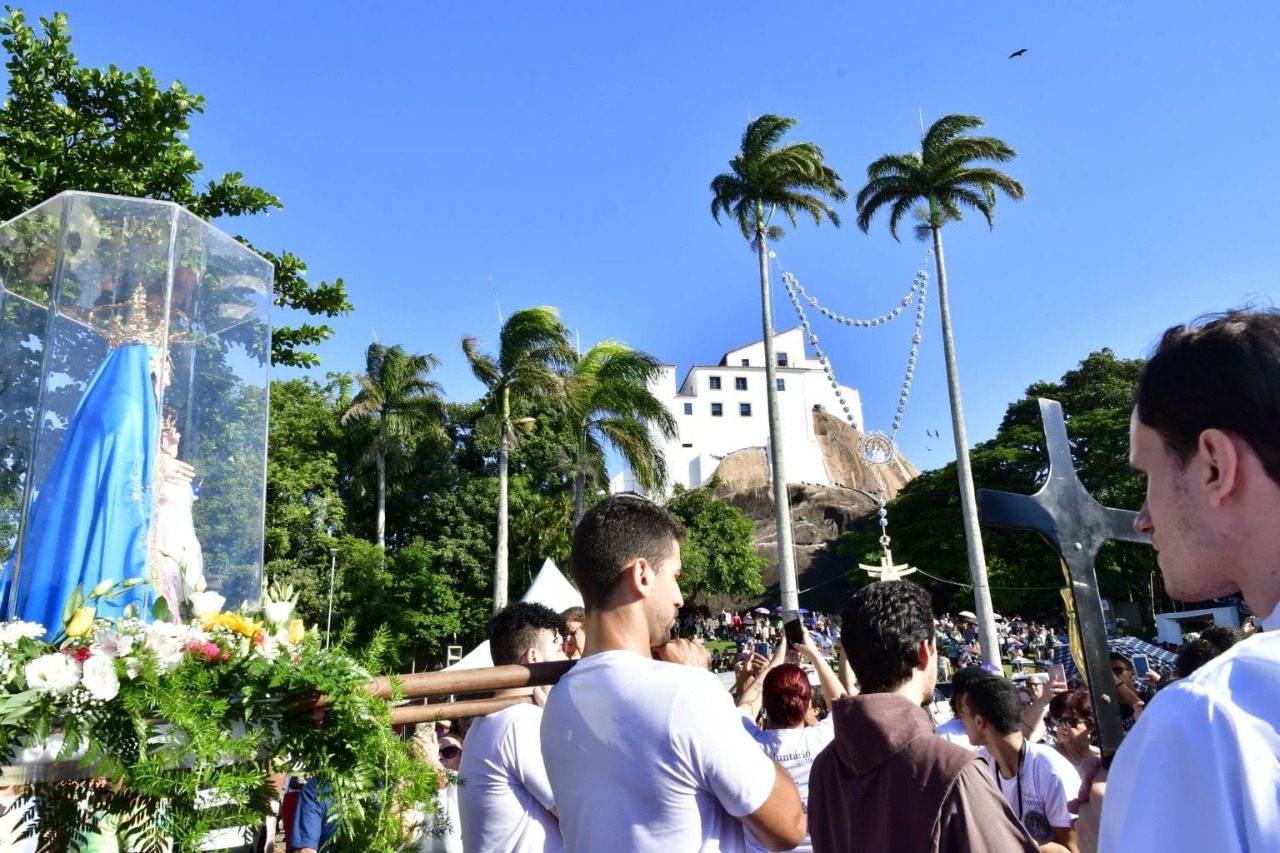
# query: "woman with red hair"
[[792, 735], [1071, 721]]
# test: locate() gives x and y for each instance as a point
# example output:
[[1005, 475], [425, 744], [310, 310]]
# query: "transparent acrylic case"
[[135, 345]]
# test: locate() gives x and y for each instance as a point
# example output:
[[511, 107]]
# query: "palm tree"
[[533, 343], [607, 399], [766, 177], [945, 176], [395, 393]]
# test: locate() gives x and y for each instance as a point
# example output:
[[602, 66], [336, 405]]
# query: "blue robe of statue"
[[91, 518]]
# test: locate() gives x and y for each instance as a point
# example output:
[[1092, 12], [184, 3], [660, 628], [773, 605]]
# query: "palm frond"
[[483, 366]]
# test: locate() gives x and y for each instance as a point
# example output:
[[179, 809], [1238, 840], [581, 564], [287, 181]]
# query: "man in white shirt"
[[645, 754], [1036, 780], [505, 802], [1201, 769]]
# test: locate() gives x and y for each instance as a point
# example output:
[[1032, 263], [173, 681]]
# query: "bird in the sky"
[[1017, 53]]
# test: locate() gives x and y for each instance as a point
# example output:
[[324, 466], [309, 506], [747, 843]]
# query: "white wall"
[[705, 438]]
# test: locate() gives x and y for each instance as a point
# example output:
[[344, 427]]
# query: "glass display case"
[[135, 345]]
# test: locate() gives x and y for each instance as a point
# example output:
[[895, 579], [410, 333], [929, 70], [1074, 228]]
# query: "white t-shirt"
[[650, 756], [1049, 782], [1201, 769], [505, 800], [953, 731], [795, 750]]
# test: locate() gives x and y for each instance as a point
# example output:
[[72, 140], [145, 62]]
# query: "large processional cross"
[[1076, 526]]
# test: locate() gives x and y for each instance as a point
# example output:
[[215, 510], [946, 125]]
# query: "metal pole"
[[333, 566]]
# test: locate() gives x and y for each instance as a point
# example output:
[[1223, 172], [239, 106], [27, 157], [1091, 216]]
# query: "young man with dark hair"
[[645, 755], [1201, 770], [1036, 780], [505, 803], [887, 783]]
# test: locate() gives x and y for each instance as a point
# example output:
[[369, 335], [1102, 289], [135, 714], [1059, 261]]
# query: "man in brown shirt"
[[887, 782]]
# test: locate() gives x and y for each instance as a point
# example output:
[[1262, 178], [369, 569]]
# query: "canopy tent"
[[549, 587]]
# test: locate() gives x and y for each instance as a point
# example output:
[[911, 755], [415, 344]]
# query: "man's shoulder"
[[1244, 682]]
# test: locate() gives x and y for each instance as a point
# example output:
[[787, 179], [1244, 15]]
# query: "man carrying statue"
[[1201, 770]]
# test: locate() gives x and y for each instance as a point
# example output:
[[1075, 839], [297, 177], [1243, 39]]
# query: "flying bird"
[[1017, 53]]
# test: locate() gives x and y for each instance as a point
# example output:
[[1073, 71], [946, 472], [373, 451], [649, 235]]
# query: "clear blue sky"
[[563, 152]]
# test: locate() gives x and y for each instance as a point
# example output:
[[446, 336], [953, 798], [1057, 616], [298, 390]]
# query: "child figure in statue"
[[176, 564]]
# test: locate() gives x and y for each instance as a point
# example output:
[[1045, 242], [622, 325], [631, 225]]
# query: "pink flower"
[[208, 651]]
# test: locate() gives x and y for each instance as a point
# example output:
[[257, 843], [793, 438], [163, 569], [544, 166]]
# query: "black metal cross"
[[1069, 519]]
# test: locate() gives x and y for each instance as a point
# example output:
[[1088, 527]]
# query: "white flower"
[[56, 674], [206, 604], [108, 642], [12, 632], [103, 587], [100, 678], [277, 612], [269, 648], [167, 640]]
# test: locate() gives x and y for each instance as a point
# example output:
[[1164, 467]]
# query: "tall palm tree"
[[532, 345], [945, 176], [607, 400], [766, 177], [397, 395]]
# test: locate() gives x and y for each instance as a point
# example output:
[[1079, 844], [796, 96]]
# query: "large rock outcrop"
[[819, 514]]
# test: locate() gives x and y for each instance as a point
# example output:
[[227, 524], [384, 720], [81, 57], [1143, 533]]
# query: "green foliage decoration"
[[170, 731]]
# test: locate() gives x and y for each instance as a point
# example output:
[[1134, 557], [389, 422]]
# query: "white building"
[[722, 408]]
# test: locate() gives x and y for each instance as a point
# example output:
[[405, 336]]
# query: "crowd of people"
[[640, 747]]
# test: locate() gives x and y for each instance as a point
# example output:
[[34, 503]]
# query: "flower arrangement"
[[169, 730]]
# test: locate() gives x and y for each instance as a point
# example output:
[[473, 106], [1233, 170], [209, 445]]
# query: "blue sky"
[[447, 157]]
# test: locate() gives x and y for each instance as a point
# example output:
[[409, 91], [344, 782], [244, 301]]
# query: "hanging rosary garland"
[[878, 448]]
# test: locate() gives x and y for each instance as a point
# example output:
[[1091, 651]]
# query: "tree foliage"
[[924, 519], [718, 553], [66, 127]]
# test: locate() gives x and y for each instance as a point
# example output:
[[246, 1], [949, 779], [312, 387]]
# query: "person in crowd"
[[575, 638], [1072, 724], [647, 754], [1035, 779], [953, 730], [1201, 770], [791, 735], [313, 826], [1212, 642], [885, 761], [1133, 695], [441, 830], [506, 803]]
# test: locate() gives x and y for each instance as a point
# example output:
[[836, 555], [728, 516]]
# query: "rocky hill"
[[819, 514]]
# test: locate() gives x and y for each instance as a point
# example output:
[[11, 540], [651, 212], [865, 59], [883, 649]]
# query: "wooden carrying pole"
[[463, 682]]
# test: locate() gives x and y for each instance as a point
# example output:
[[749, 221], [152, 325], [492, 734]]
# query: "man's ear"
[[531, 655], [1219, 453], [926, 654]]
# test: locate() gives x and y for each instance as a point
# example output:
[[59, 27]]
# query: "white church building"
[[721, 408]]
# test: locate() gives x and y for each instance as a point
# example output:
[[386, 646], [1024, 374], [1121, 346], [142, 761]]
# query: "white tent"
[[551, 588]]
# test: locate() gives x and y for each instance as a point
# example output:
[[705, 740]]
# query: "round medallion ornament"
[[878, 448]]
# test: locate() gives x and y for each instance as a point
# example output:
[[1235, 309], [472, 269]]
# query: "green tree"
[[608, 401], [65, 127], [946, 175], [532, 345], [718, 553], [396, 395], [765, 177], [1026, 575]]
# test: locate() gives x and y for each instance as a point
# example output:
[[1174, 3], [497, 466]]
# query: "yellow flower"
[[81, 622], [297, 631], [233, 622]]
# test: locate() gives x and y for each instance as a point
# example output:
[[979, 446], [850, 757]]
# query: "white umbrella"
[[763, 610], [966, 614]]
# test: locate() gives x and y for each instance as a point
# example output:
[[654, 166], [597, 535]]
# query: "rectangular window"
[[717, 410], [782, 384], [746, 362], [714, 383], [744, 409], [688, 408], [782, 359], [740, 383]]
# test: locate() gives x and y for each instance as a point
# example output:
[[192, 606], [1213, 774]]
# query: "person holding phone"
[[1133, 694], [792, 735]]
